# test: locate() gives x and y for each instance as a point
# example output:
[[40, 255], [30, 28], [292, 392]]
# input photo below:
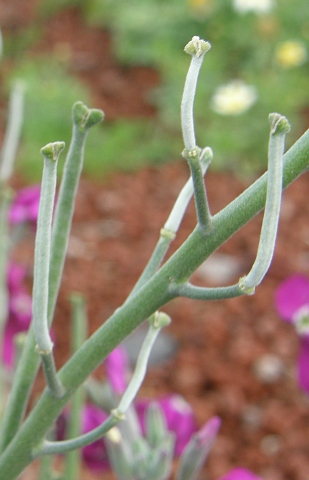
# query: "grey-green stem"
[[279, 127], [197, 48], [51, 154], [79, 323], [44, 344]]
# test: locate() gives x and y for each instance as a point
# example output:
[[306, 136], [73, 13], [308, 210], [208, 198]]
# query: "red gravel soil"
[[234, 358]]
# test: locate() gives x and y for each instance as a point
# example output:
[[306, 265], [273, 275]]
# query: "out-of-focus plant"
[[26, 437]]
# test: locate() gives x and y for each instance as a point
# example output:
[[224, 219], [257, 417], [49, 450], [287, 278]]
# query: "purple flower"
[[240, 474], [292, 303], [291, 295], [179, 418], [117, 370], [25, 205], [95, 454], [19, 311]]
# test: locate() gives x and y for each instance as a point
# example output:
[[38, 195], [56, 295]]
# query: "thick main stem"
[[146, 301]]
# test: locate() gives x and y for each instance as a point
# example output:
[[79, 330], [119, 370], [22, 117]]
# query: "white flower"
[[257, 6], [291, 53], [233, 98]]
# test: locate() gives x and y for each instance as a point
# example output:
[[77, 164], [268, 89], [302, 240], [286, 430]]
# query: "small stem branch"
[[51, 154], [184, 197], [49, 368], [201, 293], [279, 129], [157, 321], [204, 217], [197, 48], [55, 448]]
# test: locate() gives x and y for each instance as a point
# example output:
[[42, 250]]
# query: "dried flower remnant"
[[292, 303], [234, 98], [291, 54], [256, 6]]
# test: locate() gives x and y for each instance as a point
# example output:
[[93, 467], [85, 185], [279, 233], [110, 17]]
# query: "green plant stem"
[[44, 345], [279, 128], [197, 48], [46, 469], [50, 373], [141, 366], [78, 336], [201, 203], [147, 300], [64, 446], [201, 293], [83, 120], [19, 394], [156, 258], [42, 248]]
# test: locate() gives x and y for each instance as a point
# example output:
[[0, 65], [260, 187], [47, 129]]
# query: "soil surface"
[[234, 358]]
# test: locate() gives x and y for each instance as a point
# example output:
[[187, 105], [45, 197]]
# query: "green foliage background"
[[154, 32]]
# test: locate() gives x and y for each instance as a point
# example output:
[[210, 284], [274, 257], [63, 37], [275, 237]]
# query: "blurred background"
[[127, 58]]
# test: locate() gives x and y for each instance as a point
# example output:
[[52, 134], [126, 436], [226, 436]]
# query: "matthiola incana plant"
[[292, 303], [141, 437]]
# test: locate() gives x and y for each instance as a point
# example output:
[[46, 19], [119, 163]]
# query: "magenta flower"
[[117, 370], [179, 418], [25, 206], [291, 295], [95, 454], [19, 311], [240, 474], [292, 303]]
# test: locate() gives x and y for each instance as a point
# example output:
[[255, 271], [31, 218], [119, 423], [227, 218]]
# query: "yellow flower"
[[290, 54], [233, 98], [200, 6]]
